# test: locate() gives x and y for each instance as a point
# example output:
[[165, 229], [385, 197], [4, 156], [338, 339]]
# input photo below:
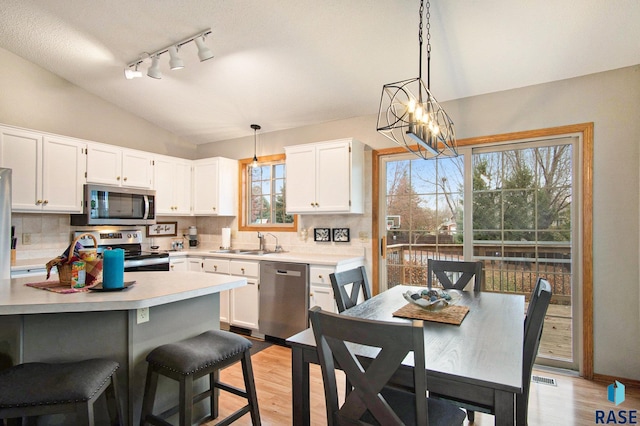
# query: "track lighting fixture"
[[203, 51], [154, 69], [132, 73], [255, 128], [175, 63]]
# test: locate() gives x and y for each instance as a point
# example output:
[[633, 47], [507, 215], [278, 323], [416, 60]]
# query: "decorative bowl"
[[434, 299]]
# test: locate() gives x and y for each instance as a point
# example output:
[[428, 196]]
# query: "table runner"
[[450, 315]]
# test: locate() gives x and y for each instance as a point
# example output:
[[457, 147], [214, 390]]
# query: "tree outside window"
[[263, 206]]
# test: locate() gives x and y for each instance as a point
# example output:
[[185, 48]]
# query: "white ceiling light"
[[175, 63], [203, 51], [154, 69]]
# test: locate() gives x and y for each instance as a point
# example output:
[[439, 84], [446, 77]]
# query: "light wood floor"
[[573, 401]]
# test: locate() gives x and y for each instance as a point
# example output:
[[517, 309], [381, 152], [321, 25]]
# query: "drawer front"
[[244, 269], [320, 275], [216, 265]]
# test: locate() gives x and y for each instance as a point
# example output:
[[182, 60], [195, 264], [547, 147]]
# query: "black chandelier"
[[410, 116]]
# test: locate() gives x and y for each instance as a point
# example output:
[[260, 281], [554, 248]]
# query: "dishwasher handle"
[[288, 273]]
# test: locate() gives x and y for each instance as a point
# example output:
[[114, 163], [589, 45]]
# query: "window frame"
[[243, 197]]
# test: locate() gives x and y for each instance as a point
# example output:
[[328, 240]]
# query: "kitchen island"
[[39, 325]]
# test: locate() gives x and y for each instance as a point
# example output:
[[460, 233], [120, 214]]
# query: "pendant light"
[[255, 128], [411, 116]]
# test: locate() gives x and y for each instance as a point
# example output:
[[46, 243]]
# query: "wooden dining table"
[[478, 361]]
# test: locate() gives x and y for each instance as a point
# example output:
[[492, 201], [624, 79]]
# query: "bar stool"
[[36, 389], [189, 359]]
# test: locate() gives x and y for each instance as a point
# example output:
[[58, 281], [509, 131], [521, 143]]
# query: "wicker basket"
[[64, 269]]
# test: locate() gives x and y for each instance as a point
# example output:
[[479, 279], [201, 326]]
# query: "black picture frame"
[[321, 234], [341, 235]]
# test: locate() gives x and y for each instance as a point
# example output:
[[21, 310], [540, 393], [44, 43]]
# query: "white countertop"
[[310, 258], [150, 289], [295, 257]]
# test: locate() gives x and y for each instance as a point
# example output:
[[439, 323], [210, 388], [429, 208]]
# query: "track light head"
[[130, 74], [154, 69], [203, 51], [175, 63]]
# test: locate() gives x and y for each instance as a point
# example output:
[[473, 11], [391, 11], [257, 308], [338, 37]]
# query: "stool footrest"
[[231, 389]]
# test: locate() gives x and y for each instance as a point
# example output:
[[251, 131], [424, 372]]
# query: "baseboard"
[[631, 383]]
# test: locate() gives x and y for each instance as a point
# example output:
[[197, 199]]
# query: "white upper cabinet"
[[110, 165], [172, 182], [215, 186], [325, 177], [47, 170]]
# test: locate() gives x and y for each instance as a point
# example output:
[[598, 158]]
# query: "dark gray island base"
[[37, 325]]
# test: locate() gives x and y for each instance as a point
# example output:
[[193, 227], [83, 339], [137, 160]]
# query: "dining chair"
[[371, 400], [442, 268], [533, 324], [357, 277]]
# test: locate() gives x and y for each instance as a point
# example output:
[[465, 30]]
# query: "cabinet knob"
[[242, 269], [214, 209], [312, 204], [320, 276], [45, 202], [38, 202], [125, 178], [117, 177], [215, 268], [171, 266]]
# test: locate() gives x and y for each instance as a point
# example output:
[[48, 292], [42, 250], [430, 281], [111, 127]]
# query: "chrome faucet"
[[278, 246], [261, 238]]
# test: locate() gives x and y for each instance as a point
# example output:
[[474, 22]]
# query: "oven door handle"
[[146, 262]]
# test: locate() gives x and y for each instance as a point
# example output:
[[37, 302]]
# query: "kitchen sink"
[[246, 252], [241, 251]]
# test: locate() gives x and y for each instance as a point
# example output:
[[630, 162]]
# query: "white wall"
[[33, 98]]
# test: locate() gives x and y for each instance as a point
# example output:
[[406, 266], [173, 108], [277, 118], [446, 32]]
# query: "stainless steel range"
[[131, 242]]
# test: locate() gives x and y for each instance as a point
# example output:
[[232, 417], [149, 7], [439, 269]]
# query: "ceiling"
[[289, 63]]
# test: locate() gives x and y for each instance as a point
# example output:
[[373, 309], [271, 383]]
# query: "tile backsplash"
[[45, 236]]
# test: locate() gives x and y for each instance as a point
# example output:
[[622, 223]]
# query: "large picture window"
[[263, 205]]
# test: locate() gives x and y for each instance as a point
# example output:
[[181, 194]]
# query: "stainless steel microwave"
[[112, 205]]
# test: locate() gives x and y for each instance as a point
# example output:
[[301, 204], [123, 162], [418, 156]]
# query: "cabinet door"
[[301, 179], [224, 306], [64, 166], [322, 295], [205, 187], [104, 164], [163, 183], [333, 177], [136, 169], [244, 305], [178, 264], [320, 291], [182, 188], [172, 182], [195, 264], [21, 151]]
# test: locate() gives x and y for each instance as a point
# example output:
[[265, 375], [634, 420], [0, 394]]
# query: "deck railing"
[[508, 268]]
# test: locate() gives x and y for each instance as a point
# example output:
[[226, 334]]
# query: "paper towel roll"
[[226, 238]]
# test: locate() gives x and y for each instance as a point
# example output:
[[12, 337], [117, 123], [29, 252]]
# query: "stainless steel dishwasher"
[[284, 298]]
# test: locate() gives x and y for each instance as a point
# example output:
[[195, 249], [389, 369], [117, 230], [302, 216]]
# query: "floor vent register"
[[544, 380]]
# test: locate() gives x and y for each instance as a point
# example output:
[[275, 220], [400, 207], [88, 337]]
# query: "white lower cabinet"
[[320, 291], [244, 301], [195, 264], [178, 264], [219, 266]]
